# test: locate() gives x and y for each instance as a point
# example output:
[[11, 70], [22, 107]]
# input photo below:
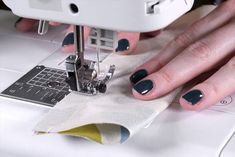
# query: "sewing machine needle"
[[79, 42], [98, 50]]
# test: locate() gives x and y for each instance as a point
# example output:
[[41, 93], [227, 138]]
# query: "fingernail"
[[144, 87], [18, 21], [123, 45], [68, 40], [193, 97], [138, 75]]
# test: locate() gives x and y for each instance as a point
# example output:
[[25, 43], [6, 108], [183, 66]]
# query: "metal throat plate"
[[41, 85]]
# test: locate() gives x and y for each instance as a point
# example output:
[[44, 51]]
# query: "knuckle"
[[182, 40], [212, 88], [200, 50], [167, 76], [195, 27]]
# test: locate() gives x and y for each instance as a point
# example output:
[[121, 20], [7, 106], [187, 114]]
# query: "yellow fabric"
[[89, 131]]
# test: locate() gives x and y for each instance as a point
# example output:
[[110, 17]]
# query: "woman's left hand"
[[127, 42]]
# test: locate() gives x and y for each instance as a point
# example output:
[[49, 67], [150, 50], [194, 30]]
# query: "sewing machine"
[[175, 132], [105, 17]]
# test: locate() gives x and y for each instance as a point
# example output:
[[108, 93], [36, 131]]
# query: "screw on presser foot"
[[81, 74]]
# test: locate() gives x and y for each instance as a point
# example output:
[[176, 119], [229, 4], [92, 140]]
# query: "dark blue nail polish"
[[193, 97], [144, 87], [123, 45], [18, 21], [138, 75], [68, 40]]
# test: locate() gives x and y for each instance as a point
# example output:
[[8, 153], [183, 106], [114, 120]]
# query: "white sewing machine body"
[[117, 15], [114, 15]]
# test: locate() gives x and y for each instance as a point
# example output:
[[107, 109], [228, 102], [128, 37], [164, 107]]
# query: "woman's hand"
[[25, 25], [207, 44], [127, 42]]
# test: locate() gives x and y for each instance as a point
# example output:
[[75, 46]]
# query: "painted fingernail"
[[138, 75], [20, 19], [193, 97], [144, 87], [123, 45], [68, 40]]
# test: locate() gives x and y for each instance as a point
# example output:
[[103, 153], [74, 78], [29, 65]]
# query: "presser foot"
[[83, 78]]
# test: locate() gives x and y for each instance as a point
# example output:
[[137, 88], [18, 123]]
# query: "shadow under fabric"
[[115, 116]]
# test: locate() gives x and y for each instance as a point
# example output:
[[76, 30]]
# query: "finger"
[[68, 42], [212, 21], [54, 23], [148, 35], [214, 89], [196, 59], [127, 42], [25, 25]]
